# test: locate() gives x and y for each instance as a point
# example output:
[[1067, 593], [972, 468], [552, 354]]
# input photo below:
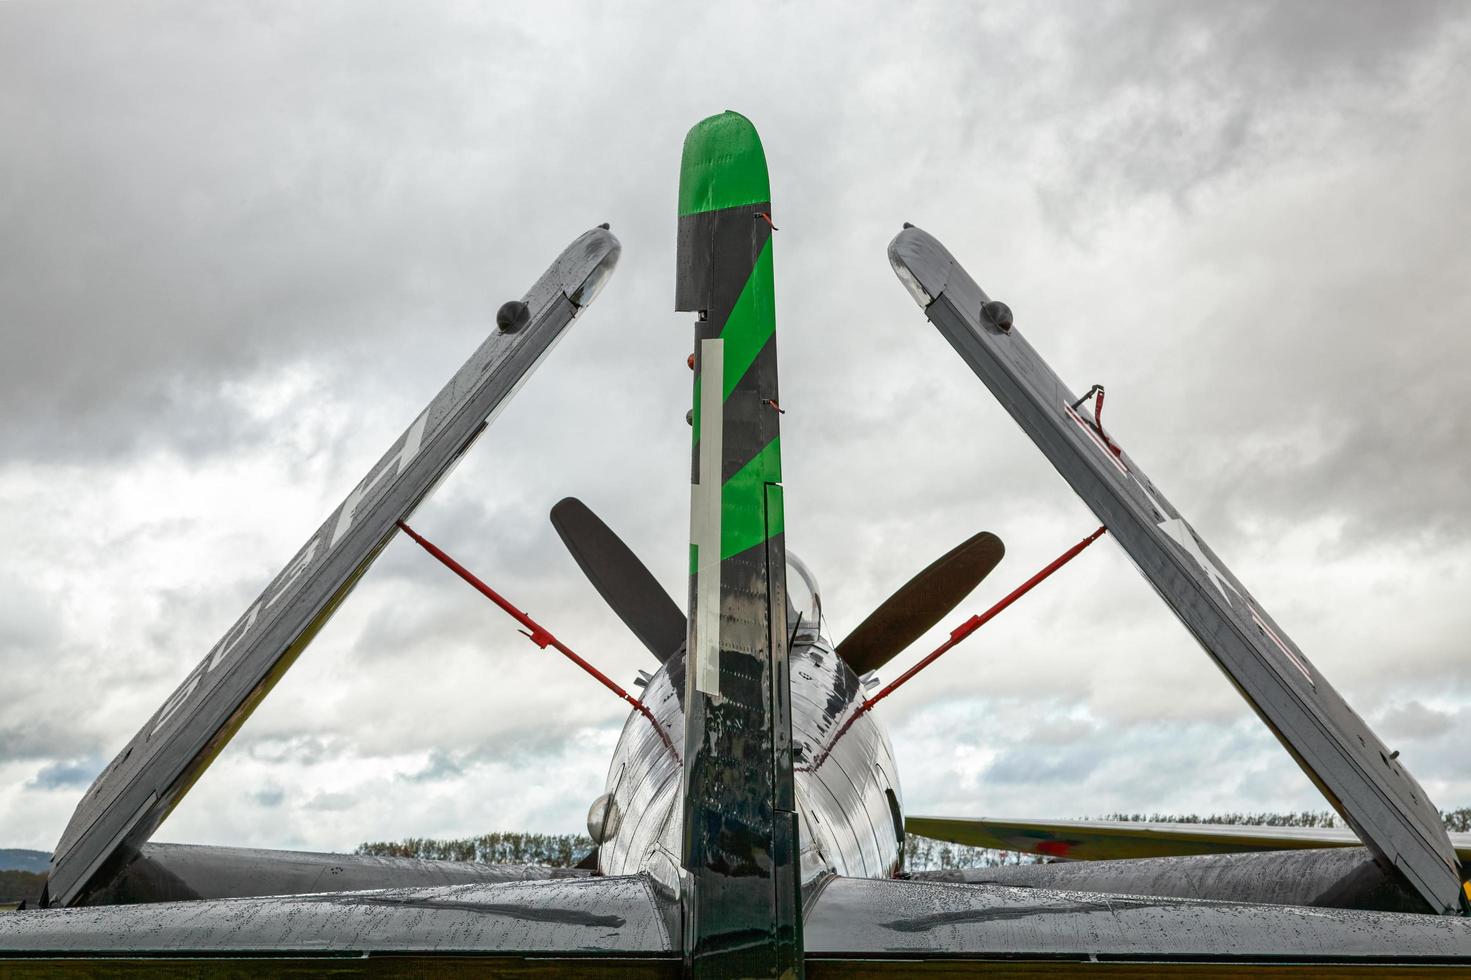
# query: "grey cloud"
[[1165, 97], [1414, 720], [26, 616], [267, 234], [66, 774], [40, 740], [449, 764], [1031, 765], [269, 797], [331, 802], [987, 757], [302, 750], [147, 277], [441, 766]]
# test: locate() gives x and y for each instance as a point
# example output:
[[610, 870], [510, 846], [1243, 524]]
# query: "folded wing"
[[133, 795], [1360, 777]]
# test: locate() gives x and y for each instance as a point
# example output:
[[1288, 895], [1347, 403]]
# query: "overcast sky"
[[242, 244]]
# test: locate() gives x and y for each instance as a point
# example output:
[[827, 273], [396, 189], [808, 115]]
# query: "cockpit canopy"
[[804, 597]]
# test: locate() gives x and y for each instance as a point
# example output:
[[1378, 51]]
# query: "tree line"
[[21, 886], [501, 847]]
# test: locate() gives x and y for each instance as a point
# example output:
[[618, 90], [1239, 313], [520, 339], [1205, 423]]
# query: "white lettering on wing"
[[304, 559], [391, 467], [179, 697], [293, 571], [227, 642]]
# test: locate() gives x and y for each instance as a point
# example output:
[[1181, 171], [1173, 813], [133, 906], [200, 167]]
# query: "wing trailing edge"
[[134, 794], [1111, 840]]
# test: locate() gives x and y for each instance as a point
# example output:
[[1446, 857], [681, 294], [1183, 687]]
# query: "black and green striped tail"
[[740, 821]]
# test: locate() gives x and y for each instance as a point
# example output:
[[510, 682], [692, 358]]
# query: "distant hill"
[[20, 859], [18, 886]]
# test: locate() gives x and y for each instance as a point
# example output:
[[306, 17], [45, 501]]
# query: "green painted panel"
[[776, 510], [751, 323], [723, 165], [695, 417], [743, 517]]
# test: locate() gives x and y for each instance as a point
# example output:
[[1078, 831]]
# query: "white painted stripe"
[[705, 518]]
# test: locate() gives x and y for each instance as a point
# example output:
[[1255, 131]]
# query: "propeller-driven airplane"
[[752, 822]]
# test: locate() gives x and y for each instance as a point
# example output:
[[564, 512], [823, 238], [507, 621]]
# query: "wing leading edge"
[[134, 794], [1355, 771], [1110, 840]]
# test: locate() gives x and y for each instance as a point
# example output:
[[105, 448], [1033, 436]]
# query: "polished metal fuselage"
[[847, 784]]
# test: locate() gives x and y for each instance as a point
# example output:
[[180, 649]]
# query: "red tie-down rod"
[[535, 632], [956, 636]]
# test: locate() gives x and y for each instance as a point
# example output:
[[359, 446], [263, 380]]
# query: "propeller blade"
[[620, 578], [920, 603]]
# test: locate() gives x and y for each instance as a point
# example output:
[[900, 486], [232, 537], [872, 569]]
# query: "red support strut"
[[534, 631], [976, 622], [956, 636]]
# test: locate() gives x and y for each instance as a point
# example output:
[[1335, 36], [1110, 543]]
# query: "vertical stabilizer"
[[740, 824]]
